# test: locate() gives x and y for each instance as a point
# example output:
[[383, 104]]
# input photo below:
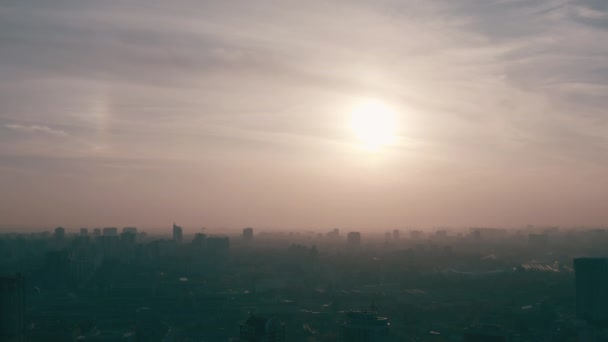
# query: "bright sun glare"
[[373, 122]]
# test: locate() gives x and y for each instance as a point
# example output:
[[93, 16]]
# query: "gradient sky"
[[236, 113]]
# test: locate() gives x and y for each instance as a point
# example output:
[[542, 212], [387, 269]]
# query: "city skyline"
[[357, 114]]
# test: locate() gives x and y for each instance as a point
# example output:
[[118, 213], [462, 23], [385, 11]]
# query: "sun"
[[374, 124]]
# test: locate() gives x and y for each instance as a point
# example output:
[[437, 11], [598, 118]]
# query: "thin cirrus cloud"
[[500, 90], [35, 129]]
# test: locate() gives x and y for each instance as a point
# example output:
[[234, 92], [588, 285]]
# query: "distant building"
[[334, 234], [12, 308], [132, 230], [387, 236], [396, 234], [96, 232], [353, 239], [258, 329], [84, 232], [538, 240], [416, 234], [128, 237], [592, 289], [110, 231], [57, 265], [177, 233], [441, 234], [364, 326], [248, 234], [218, 245], [59, 234], [199, 241]]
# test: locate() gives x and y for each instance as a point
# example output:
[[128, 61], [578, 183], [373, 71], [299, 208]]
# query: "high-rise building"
[[248, 234], [84, 232], [59, 234], [416, 234], [132, 230], [12, 308], [396, 234], [353, 239], [364, 326], [387, 236], [96, 232], [218, 245], [177, 233], [592, 289], [110, 231]]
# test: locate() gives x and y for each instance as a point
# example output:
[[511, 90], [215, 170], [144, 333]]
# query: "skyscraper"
[[59, 234], [12, 308], [248, 234], [110, 231], [177, 233], [353, 239], [592, 289]]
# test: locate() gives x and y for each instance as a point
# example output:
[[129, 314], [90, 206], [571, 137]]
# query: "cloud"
[[34, 129]]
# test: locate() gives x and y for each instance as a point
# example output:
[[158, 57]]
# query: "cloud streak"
[[36, 129]]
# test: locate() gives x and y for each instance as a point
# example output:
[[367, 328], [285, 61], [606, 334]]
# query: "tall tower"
[[12, 308], [248, 234], [177, 233], [592, 289], [353, 239]]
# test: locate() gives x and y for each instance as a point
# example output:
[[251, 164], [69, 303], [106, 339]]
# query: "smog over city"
[[304, 170]]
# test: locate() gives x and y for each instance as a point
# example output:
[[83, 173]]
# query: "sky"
[[229, 114]]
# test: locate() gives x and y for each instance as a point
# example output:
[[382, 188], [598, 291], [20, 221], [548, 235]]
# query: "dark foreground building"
[[592, 289], [12, 308]]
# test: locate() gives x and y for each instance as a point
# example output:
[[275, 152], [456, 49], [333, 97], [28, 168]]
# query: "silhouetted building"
[[128, 237], [57, 265], [12, 308], [396, 234], [334, 234], [441, 234], [199, 242], [110, 231], [96, 232], [84, 232], [353, 239], [248, 234], [59, 234], [177, 233], [364, 326], [109, 245], [592, 289], [538, 240], [258, 329], [218, 245], [416, 234], [132, 230]]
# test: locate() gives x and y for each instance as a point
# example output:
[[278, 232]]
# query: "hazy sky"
[[236, 113]]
